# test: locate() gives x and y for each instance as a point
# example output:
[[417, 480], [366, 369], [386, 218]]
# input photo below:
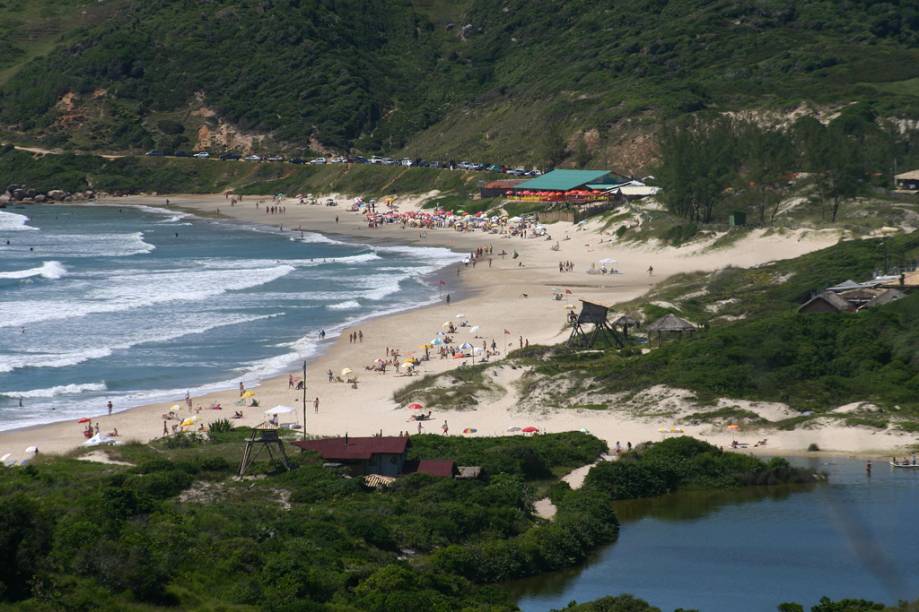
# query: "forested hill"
[[442, 78]]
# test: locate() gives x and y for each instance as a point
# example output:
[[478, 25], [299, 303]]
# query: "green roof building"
[[566, 180]]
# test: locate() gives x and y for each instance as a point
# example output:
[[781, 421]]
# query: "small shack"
[[439, 468], [383, 455], [908, 181], [670, 325], [826, 301]]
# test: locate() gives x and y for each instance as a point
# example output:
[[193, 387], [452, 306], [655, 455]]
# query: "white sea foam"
[[15, 361], [12, 222], [348, 305], [59, 390], [52, 270], [131, 291]]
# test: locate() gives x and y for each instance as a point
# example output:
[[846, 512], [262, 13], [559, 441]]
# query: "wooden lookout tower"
[[591, 325], [263, 438]]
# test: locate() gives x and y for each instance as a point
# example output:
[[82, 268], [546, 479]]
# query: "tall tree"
[[767, 154], [842, 171], [698, 160]]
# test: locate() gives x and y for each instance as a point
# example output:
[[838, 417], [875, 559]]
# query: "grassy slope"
[[488, 92]]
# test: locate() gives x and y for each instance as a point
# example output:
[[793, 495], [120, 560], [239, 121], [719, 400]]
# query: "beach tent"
[[279, 410]]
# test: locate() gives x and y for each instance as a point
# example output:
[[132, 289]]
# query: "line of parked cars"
[[355, 159]]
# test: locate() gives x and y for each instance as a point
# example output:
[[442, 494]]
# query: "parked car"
[[202, 155], [154, 153], [298, 160], [318, 161], [181, 154], [357, 159], [252, 157], [230, 155], [376, 160], [276, 158]]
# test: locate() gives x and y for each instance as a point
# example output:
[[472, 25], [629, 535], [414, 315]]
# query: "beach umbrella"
[[607, 261], [446, 324], [460, 315], [279, 410], [570, 307], [190, 421], [407, 365], [84, 420], [175, 408], [465, 346], [248, 393], [530, 429], [346, 371], [437, 342], [474, 329], [513, 428], [470, 430]]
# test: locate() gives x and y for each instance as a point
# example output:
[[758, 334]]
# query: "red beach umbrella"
[[415, 406], [530, 429]]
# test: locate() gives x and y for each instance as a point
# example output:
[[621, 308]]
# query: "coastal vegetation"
[[440, 79], [171, 526]]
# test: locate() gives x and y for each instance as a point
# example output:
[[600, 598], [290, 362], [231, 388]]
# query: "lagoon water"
[[141, 304], [753, 549]]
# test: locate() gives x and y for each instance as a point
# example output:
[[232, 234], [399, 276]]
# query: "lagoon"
[[755, 548]]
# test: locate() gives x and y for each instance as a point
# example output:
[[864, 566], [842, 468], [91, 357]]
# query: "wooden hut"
[[826, 302], [670, 325]]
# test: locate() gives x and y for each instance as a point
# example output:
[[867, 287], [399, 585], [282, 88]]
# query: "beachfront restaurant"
[[568, 186]]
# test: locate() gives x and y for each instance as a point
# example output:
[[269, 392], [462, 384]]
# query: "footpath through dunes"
[[509, 299]]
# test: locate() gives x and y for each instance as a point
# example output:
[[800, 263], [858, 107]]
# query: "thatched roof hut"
[[626, 321], [671, 323]]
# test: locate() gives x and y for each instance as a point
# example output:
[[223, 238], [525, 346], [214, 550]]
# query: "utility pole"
[[304, 400]]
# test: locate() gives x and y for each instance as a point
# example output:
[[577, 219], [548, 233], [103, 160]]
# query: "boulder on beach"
[[57, 194]]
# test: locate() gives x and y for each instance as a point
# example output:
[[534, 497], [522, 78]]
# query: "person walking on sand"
[[109, 406], [242, 388], [445, 427], [650, 270], [316, 405], [419, 427], [290, 381], [360, 335], [165, 429], [448, 299], [188, 400], [331, 375]]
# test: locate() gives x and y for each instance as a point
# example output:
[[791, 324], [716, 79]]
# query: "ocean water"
[[141, 304]]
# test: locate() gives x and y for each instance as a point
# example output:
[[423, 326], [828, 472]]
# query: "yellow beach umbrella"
[[248, 393], [346, 372], [190, 421]]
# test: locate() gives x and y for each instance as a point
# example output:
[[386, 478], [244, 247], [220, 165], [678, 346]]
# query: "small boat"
[[904, 465]]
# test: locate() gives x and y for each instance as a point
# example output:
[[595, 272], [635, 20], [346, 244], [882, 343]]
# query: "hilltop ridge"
[[470, 78]]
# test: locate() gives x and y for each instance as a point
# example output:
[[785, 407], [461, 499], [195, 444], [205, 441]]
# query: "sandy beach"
[[509, 302]]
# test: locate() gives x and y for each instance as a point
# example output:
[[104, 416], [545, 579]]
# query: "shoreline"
[[502, 298]]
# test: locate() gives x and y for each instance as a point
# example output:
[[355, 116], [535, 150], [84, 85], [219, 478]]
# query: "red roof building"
[[373, 455], [441, 468]]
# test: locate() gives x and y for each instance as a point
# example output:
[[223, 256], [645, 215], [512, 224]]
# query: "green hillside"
[[468, 78]]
